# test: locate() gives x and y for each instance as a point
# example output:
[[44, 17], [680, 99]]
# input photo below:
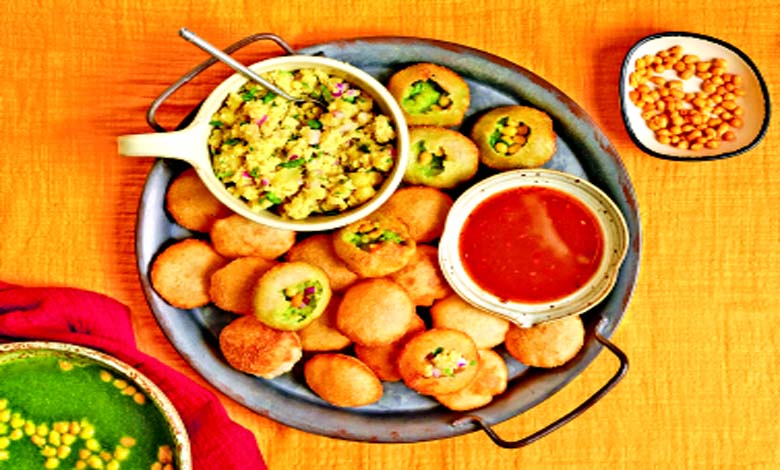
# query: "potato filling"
[[370, 235], [300, 159], [432, 159], [303, 298], [445, 362], [509, 136], [426, 96]]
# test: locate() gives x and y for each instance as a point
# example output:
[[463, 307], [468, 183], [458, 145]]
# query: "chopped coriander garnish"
[[293, 163], [269, 97], [326, 94], [495, 137], [249, 95], [232, 141], [273, 197], [435, 167], [216, 123], [314, 123], [390, 236]]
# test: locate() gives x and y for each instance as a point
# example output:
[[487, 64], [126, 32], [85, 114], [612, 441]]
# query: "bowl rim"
[[162, 402], [624, 102], [609, 218]]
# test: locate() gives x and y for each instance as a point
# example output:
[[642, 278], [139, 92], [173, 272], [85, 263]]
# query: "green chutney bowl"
[[61, 404]]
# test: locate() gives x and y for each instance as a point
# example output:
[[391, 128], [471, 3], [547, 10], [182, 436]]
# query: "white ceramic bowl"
[[610, 221], [20, 350], [755, 103], [190, 144]]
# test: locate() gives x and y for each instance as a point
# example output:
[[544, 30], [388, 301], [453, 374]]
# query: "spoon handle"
[[231, 62]]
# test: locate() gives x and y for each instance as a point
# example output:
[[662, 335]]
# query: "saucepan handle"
[[184, 144], [151, 113], [621, 372]]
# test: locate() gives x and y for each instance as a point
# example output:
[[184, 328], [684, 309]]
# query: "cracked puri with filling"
[[430, 94], [510, 137], [291, 295], [375, 246], [440, 157]]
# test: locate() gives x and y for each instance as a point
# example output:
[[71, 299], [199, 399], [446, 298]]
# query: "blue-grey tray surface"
[[403, 415]]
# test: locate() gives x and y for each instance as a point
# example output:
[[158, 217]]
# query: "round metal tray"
[[403, 415]]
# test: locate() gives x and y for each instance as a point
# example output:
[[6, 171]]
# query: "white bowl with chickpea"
[[686, 96]]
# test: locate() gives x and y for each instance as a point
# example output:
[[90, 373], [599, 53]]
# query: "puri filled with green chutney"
[[67, 412], [301, 159]]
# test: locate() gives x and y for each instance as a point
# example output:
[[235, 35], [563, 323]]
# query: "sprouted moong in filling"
[[298, 159]]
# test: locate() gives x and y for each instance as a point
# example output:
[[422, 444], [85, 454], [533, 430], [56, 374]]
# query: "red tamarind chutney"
[[531, 244]]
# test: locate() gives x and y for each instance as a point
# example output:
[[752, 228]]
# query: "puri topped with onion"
[[299, 159], [291, 295]]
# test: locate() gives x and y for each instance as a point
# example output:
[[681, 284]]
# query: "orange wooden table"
[[701, 330]]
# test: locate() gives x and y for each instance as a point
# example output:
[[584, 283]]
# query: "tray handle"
[[151, 113], [617, 377]]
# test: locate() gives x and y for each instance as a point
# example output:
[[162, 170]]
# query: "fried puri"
[[438, 361], [342, 380], [486, 330], [430, 94], [191, 204], [511, 137], [440, 158], [321, 334], [235, 236], [374, 246], [181, 273], [423, 209], [422, 277], [383, 359], [492, 377], [233, 285], [291, 295], [252, 347], [549, 344], [375, 312], [318, 250]]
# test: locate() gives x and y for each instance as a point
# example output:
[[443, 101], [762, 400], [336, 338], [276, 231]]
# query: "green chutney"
[[65, 412]]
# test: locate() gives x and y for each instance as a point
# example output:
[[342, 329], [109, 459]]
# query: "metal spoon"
[[241, 68]]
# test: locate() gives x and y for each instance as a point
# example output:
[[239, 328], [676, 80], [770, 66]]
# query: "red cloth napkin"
[[93, 320]]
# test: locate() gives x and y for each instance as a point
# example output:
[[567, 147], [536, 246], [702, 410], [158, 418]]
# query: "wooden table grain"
[[701, 330]]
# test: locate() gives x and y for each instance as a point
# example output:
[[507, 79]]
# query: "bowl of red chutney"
[[533, 245]]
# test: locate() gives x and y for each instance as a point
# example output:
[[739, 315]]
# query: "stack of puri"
[[367, 303]]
